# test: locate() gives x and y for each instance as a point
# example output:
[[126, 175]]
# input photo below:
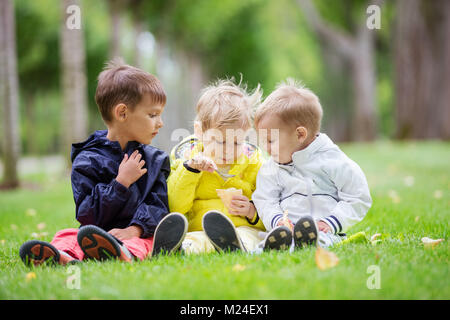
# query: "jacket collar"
[[305, 155]]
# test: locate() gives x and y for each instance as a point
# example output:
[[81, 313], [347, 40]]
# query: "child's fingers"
[[141, 164], [240, 198], [134, 154], [143, 171], [125, 158], [138, 157], [239, 203]]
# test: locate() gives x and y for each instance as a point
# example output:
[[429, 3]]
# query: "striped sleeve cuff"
[[333, 222], [275, 220]]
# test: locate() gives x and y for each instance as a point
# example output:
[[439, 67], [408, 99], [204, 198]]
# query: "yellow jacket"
[[194, 194]]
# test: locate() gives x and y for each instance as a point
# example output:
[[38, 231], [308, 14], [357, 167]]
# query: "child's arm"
[[155, 205], [267, 197], [353, 193], [96, 203], [182, 184]]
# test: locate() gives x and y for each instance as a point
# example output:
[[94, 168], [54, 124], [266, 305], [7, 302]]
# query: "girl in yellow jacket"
[[215, 157]]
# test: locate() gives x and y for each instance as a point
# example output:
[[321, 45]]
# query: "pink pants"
[[66, 240]]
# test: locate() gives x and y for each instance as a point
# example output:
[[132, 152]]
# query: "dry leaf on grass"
[[326, 259], [430, 243], [238, 267], [30, 276]]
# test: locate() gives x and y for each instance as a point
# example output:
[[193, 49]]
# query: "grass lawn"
[[410, 185]]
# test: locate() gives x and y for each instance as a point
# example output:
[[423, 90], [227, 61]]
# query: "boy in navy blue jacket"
[[118, 179]]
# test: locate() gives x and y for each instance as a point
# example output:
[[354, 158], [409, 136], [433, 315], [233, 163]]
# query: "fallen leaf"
[[417, 219], [394, 196], [41, 226], [438, 194], [30, 212], [430, 243], [375, 236], [325, 259], [238, 267], [13, 227], [409, 181], [30, 276], [3, 241]]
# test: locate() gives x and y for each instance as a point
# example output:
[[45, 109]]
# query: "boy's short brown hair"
[[122, 83], [226, 103], [294, 104]]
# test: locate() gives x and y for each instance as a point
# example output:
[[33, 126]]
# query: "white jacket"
[[320, 181]]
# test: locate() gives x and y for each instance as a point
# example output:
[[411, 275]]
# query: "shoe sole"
[[99, 245], [305, 232], [169, 234], [35, 252], [279, 238], [221, 232]]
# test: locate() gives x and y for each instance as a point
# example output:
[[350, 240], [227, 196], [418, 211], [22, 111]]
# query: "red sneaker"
[[36, 252], [100, 245]]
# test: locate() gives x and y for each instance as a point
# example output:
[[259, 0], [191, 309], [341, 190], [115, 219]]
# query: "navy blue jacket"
[[102, 201]]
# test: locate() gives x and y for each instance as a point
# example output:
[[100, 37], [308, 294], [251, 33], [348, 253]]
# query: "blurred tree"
[[357, 48], [116, 8], [422, 57], [73, 77], [9, 94], [38, 55]]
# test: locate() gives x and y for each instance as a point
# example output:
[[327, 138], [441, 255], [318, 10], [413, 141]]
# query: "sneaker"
[[98, 244], [221, 232], [305, 232], [279, 238], [36, 252], [169, 234]]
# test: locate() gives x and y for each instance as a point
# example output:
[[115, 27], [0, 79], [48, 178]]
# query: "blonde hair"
[[294, 104], [226, 103]]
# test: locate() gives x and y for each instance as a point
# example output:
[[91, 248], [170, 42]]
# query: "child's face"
[[144, 121], [278, 139], [224, 145]]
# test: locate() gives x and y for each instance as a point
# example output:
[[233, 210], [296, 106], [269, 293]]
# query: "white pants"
[[197, 242]]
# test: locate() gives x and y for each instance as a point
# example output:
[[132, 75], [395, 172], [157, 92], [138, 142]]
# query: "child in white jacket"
[[309, 185]]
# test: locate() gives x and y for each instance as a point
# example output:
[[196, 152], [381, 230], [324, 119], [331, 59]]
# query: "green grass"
[[405, 179]]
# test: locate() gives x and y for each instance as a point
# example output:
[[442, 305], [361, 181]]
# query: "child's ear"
[[198, 129], [120, 112], [302, 133]]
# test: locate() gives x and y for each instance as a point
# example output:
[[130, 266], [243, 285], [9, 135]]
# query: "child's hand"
[[287, 223], [127, 233], [202, 163], [323, 227], [241, 206], [130, 169]]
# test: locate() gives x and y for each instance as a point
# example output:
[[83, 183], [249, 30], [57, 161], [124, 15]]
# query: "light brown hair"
[[122, 83], [294, 104]]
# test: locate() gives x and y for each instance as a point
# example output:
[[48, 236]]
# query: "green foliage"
[[265, 41]]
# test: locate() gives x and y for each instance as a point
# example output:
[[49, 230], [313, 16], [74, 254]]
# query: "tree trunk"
[[73, 83], [422, 57], [357, 50], [116, 21], [9, 95], [363, 77]]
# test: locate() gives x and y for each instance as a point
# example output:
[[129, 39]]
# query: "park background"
[[385, 94]]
